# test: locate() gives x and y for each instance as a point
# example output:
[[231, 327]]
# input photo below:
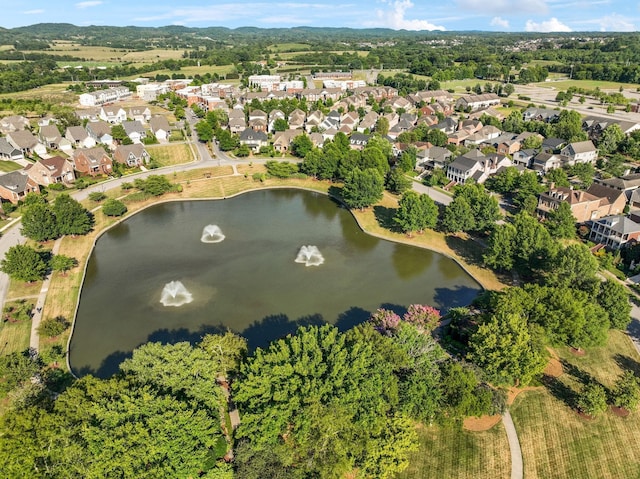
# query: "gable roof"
[[159, 122], [15, 181]]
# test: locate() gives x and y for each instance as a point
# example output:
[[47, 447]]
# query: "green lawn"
[[168, 155], [14, 337], [587, 84], [7, 166], [449, 453], [557, 443]]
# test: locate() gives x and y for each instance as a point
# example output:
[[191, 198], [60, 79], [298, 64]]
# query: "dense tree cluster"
[[44, 221]]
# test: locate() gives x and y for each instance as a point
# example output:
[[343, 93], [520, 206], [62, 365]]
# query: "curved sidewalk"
[[517, 468]]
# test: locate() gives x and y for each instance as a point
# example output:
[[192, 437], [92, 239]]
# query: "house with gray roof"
[[580, 152], [134, 130], [26, 142], [14, 186], [615, 231], [79, 137], [132, 155], [254, 139], [160, 127], [9, 152]]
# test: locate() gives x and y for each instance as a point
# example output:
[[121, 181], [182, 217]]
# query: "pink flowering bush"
[[422, 316], [385, 321]]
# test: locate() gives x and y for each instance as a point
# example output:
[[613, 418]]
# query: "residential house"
[[508, 147], [89, 114], [140, 113], [580, 152], [282, 139], [524, 158], [317, 139], [9, 152], [351, 119], [596, 202], [26, 142], [134, 130], [50, 136], [314, 120], [113, 114], [400, 103], [258, 124], [237, 124], [628, 184], [79, 137], [100, 131], [273, 116], [477, 102], [476, 166], [552, 145], [160, 127], [431, 158], [329, 134], [92, 161], [51, 170], [616, 231], [448, 126], [358, 141], [544, 162], [595, 126], [296, 119], [13, 123], [484, 135], [258, 114], [131, 155], [254, 139], [368, 122], [14, 186], [540, 114]]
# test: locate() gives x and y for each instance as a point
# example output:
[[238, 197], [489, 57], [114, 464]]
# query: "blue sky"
[[450, 15]]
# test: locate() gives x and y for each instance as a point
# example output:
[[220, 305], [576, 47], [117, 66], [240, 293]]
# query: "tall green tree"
[[614, 299], [39, 223], [362, 188], [626, 391], [560, 222], [458, 216], [506, 350], [301, 145], [204, 130], [23, 263], [397, 182], [320, 403], [71, 217], [416, 212], [226, 351]]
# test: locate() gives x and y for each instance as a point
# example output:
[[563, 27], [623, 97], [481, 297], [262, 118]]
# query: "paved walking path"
[[517, 469], [34, 341]]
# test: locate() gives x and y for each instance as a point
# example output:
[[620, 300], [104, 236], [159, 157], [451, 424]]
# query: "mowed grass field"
[[586, 84], [557, 443], [168, 155], [460, 454]]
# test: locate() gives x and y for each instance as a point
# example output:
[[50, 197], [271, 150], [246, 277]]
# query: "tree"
[[373, 157], [505, 349], [462, 393], [321, 390], [614, 299], [39, 223], [62, 263], [301, 145], [558, 177], [204, 131], [416, 212], [569, 126], [113, 207], [52, 327], [280, 124], [243, 151], [560, 222], [226, 351], [226, 140], [363, 188], [458, 216], [71, 217], [23, 264], [574, 266], [610, 140], [17, 369], [382, 126], [154, 185], [500, 253], [592, 399], [626, 391], [397, 182]]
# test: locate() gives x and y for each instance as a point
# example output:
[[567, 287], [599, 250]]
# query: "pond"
[[260, 264]]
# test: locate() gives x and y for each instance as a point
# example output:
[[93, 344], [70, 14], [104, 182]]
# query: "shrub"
[[97, 196], [52, 327], [57, 187], [114, 207]]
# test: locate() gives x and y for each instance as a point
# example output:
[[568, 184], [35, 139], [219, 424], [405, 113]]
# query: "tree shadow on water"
[[109, 366], [352, 317], [261, 333], [447, 298]]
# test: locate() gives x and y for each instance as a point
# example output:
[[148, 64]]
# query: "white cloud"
[[499, 22], [89, 3], [551, 25], [395, 17], [33, 12], [500, 6], [615, 23]]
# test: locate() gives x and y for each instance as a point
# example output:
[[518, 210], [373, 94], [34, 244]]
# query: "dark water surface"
[[250, 282]]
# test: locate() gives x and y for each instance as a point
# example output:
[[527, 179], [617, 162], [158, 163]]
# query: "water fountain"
[[310, 256], [212, 234], [175, 294]]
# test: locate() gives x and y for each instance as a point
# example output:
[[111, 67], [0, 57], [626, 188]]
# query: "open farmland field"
[[106, 55], [288, 47]]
